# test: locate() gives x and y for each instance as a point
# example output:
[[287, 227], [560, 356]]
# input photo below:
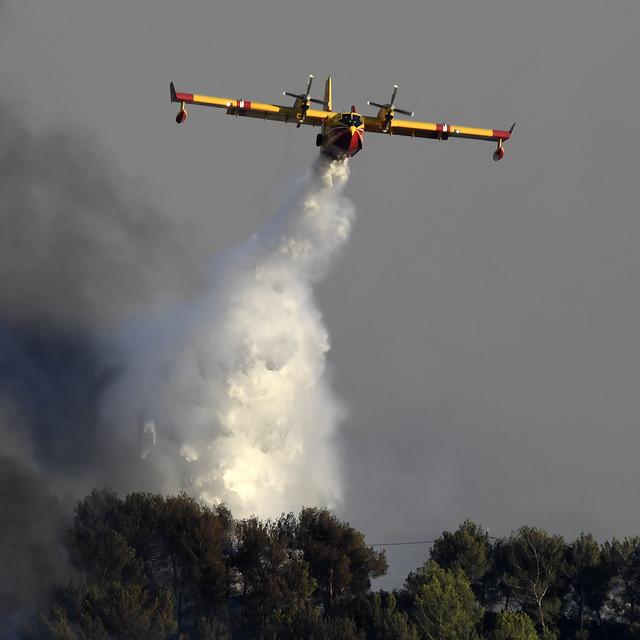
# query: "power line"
[[410, 542], [400, 544]]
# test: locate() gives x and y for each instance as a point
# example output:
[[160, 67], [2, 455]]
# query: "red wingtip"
[[501, 135]]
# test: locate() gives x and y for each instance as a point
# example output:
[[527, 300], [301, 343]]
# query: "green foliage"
[[445, 607], [535, 571], [194, 543], [175, 544], [623, 560], [115, 611], [590, 575], [97, 547], [55, 626], [212, 629], [339, 629], [171, 568], [337, 555], [273, 578], [129, 612], [382, 620], [514, 626], [467, 549]]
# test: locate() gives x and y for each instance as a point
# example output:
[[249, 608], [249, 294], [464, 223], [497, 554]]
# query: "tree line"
[[149, 567]]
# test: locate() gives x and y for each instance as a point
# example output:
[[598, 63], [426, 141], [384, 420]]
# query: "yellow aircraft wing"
[[434, 130], [249, 108], [437, 131]]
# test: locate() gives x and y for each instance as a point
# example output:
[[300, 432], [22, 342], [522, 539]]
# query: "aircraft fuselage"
[[342, 135]]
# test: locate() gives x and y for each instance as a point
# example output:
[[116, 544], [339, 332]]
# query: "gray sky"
[[484, 318]]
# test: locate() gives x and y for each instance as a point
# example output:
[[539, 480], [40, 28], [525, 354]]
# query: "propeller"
[[390, 108], [305, 99]]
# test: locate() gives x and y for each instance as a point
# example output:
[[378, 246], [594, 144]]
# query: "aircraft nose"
[[355, 142]]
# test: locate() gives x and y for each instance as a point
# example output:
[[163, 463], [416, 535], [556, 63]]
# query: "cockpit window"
[[351, 120]]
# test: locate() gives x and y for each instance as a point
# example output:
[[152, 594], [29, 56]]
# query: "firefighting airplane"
[[341, 133]]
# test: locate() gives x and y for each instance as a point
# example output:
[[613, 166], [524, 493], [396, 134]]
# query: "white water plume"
[[235, 384]]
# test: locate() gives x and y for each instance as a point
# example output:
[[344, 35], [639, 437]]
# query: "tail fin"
[[328, 100]]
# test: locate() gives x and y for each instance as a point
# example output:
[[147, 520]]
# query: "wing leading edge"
[[301, 113], [435, 130], [251, 109]]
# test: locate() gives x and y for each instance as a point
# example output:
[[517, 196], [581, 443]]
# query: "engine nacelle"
[[498, 154]]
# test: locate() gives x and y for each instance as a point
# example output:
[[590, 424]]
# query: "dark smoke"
[[79, 243], [33, 516], [81, 249]]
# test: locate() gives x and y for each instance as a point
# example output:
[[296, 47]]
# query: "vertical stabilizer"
[[328, 100]]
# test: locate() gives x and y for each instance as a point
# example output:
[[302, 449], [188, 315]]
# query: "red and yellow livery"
[[341, 133]]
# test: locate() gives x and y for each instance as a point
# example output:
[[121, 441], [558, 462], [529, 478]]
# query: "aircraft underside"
[[342, 133], [340, 142]]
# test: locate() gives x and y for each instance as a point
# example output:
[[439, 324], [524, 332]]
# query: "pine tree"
[[445, 606]]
